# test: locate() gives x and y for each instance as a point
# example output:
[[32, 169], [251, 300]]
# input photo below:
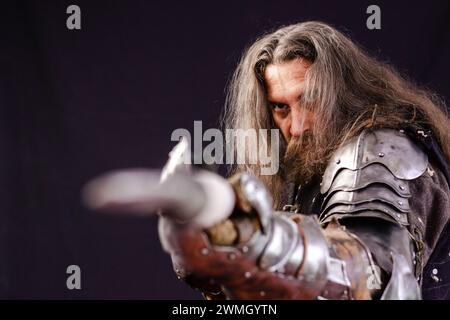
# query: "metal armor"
[[360, 240], [369, 178], [361, 245]]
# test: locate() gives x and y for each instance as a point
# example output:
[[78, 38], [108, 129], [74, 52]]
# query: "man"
[[362, 197]]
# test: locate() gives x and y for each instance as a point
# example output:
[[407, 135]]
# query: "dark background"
[[77, 103]]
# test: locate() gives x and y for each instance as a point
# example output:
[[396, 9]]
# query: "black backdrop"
[[78, 103]]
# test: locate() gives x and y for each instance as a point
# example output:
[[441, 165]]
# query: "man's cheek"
[[287, 136]]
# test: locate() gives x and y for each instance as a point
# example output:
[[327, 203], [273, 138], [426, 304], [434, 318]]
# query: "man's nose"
[[301, 121]]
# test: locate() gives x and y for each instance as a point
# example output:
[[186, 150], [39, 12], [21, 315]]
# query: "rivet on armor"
[[231, 256], [435, 271], [244, 249], [247, 274], [205, 251], [381, 154], [262, 293], [400, 203], [402, 187]]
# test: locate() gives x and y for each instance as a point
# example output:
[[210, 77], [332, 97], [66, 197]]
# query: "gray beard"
[[301, 162]]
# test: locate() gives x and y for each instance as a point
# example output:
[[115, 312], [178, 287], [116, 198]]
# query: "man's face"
[[285, 87]]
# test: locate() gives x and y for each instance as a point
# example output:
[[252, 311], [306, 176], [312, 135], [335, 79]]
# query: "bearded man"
[[361, 202]]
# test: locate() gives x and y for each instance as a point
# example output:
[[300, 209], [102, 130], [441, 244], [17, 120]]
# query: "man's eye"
[[279, 106]]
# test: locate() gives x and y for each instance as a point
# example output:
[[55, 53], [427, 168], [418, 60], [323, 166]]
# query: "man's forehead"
[[294, 68], [281, 76]]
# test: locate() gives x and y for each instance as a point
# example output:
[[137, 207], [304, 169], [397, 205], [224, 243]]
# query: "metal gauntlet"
[[260, 254]]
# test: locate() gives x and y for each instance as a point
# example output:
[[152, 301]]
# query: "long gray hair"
[[346, 88]]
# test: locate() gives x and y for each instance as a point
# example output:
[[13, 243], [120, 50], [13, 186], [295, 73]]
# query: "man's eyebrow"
[[274, 102], [270, 99]]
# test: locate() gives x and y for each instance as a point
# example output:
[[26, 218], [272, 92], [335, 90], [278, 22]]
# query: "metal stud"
[[205, 251], [381, 154], [345, 294], [247, 274], [402, 187], [400, 203], [434, 271]]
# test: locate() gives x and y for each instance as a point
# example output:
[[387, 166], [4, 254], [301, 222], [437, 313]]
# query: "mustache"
[[298, 146]]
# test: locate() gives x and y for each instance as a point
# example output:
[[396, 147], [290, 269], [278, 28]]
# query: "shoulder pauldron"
[[369, 176]]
